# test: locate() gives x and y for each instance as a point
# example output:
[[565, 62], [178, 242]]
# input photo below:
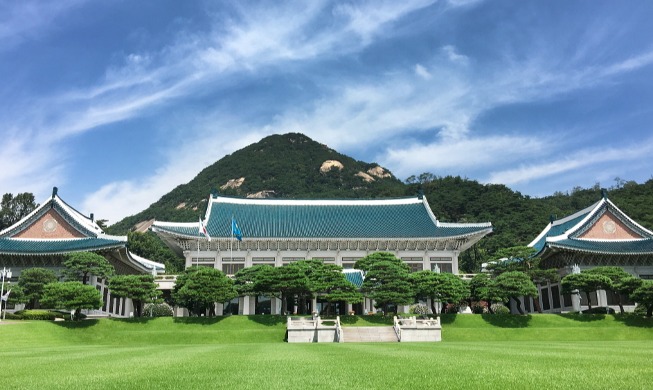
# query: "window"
[[326, 259], [232, 268], [555, 294], [263, 259], [546, 305], [414, 267], [233, 260]]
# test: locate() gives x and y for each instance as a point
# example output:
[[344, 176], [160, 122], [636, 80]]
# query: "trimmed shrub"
[[36, 315], [157, 310], [500, 309], [419, 309]]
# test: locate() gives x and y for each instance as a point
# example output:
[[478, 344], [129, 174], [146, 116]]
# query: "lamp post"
[[6, 273]]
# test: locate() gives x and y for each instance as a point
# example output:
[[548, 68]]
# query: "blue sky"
[[118, 102]]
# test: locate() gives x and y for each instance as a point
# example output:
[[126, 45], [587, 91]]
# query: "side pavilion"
[[599, 235], [55, 229], [280, 231]]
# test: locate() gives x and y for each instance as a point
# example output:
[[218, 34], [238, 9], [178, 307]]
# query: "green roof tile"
[[13, 246], [399, 218]]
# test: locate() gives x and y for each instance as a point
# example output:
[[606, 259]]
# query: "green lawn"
[[540, 351]]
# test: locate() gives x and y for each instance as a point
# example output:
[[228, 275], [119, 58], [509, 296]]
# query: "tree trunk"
[[85, 278], [433, 306], [649, 311], [589, 301], [536, 303], [619, 302], [78, 314], [443, 307], [284, 304], [518, 302], [489, 307]]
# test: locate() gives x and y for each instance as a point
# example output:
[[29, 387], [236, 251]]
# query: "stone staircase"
[[369, 334]]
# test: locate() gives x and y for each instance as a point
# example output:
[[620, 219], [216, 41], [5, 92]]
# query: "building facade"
[[55, 229], [599, 235], [280, 231]]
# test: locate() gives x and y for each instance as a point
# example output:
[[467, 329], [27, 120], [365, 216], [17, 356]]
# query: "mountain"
[[279, 166], [294, 166]]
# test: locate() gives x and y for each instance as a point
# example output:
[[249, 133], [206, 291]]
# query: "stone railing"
[[413, 329], [313, 330], [165, 282]]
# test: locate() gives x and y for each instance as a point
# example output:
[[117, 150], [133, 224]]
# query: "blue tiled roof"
[[12, 246], [355, 278], [558, 229], [616, 247], [347, 219]]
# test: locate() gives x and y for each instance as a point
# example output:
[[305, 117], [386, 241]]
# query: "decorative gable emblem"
[[50, 225], [609, 227]]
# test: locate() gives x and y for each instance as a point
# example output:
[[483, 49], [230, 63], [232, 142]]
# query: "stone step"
[[369, 334]]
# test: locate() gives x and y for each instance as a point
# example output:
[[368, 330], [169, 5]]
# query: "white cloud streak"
[[579, 160]]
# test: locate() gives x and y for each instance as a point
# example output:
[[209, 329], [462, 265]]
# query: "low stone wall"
[[414, 330], [312, 330]]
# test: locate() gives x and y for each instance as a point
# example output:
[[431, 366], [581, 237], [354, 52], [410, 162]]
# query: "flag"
[[6, 296], [235, 230], [204, 231]]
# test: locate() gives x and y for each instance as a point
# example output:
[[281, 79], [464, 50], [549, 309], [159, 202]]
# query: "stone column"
[[244, 305], [219, 309]]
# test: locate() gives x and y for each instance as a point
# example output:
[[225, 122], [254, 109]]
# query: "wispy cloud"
[[581, 159], [29, 19]]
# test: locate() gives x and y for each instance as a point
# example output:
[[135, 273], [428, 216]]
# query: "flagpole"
[[231, 243]]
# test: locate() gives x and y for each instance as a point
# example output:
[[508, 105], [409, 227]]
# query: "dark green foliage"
[[81, 265], [199, 288], [586, 282], [617, 277], [256, 280], [441, 287], [483, 288], [643, 295], [32, 281], [514, 284], [140, 288], [16, 296], [71, 296], [386, 280], [150, 246], [12, 209]]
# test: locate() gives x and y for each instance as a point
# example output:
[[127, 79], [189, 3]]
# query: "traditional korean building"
[[280, 231], [599, 235], [55, 229]]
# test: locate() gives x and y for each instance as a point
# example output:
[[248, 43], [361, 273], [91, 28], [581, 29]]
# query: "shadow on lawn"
[[507, 320], [198, 320], [268, 320], [77, 324], [583, 317], [634, 320]]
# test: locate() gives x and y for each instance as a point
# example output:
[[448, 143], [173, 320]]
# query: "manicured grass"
[[540, 351]]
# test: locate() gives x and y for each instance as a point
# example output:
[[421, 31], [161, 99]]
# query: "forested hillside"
[[294, 166], [279, 166]]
